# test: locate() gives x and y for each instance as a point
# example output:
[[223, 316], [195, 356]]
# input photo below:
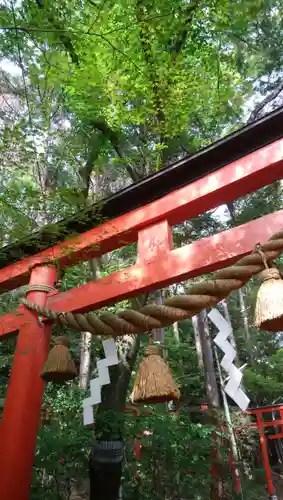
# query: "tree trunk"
[[158, 333], [245, 320], [197, 341], [105, 467], [86, 337], [175, 325], [218, 486], [176, 332], [208, 360]]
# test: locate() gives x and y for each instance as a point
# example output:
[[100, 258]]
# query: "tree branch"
[[115, 140], [147, 52], [63, 36], [18, 210], [268, 99], [176, 44], [95, 144], [10, 88]]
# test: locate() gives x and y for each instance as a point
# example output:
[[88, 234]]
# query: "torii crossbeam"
[[158, 265]]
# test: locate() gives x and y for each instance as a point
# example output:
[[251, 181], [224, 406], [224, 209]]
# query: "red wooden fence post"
[[21, 413]]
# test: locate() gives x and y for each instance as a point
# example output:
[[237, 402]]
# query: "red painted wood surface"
[[21, 415], [264, 452], [236, 179], [272, 423], [235, 471], [203, 256], [154, 242], [265, 409], [11, 322], [261, 424]]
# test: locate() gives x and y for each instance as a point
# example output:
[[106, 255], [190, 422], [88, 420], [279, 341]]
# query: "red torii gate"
[[158, 265], [261, 424]]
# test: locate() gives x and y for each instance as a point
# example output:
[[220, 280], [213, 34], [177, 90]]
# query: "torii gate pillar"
[[21, 413]]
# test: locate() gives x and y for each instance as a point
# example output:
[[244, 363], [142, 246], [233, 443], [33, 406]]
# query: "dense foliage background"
[[95, 95]]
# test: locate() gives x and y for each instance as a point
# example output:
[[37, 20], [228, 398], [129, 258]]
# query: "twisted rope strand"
[[199, 296]]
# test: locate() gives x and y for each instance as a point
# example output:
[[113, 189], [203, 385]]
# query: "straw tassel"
[[269, 304], [154, 382], [59, 366]]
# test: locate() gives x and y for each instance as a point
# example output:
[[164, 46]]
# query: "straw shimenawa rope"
[[199, 296]]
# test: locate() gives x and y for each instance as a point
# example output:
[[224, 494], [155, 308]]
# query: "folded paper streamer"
[[233, 387], [103, 378]]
